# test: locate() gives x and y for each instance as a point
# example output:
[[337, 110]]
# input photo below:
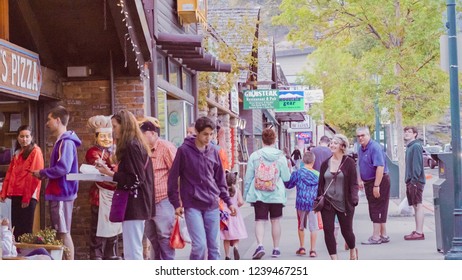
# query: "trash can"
[[393, 172], [443, 200]]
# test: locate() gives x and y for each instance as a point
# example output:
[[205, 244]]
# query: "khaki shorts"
[[61, 215], [307, 218]]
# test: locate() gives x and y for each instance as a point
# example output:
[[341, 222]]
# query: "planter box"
[[56, 251]]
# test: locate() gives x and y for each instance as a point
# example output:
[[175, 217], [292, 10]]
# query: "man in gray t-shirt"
[[321, 152]]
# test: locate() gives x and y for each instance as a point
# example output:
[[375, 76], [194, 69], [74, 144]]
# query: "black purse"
[[319, 201]]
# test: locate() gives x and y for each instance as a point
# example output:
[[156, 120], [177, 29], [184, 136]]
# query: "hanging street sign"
[[291, 101], [261, 99]]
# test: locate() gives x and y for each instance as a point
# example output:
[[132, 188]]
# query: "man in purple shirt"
[[201, 182], [375, 182]]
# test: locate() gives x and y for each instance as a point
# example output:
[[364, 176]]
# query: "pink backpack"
[[266, 176]]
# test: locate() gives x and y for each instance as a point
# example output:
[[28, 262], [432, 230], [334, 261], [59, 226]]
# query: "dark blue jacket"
[[202, 179]]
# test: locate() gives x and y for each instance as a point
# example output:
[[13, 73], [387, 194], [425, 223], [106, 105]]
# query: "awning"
[[189, 49], [290, 117], [270, 116]]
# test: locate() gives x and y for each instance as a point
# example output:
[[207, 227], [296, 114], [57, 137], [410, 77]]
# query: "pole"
[[377, 119], [456, 251]]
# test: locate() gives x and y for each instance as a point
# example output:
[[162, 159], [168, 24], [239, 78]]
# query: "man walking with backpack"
[[266, 173]]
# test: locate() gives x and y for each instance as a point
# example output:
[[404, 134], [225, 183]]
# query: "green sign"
[[291, 101], [261, 99]]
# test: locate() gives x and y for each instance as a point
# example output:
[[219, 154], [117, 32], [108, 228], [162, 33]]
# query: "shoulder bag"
[[319, 201]]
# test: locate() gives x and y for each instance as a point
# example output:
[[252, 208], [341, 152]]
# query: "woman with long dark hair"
[[20, 186], [134, 172]]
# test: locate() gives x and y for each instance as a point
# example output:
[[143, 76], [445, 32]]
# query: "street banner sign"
[[291, 101], [261, 99]]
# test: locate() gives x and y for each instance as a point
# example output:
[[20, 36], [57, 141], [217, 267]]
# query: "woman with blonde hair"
[[134, 173], [338, 181]]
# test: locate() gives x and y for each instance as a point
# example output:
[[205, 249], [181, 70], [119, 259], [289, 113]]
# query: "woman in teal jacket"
[[266, 173]]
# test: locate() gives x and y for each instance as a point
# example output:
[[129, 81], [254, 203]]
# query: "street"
[[397, 226]]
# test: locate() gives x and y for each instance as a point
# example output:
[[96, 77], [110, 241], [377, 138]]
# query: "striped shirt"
[[163, 154]]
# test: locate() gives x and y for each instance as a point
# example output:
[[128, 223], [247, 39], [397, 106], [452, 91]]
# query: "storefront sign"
[[261, 99], [291, 101], [234, 97], [20, 72], [304, 137]]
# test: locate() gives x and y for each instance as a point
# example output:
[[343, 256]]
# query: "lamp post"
[[456, 251], [376, 78]]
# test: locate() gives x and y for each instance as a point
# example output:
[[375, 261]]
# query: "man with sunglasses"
[[374, 180]]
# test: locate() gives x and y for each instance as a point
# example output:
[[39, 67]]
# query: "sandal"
[[355, 257], [313, 254], [301, 251]]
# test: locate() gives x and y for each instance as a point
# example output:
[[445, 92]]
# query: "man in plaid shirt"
[[158, 229]]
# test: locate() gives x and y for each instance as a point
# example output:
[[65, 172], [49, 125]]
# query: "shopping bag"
[[176, 242], [184, 230]]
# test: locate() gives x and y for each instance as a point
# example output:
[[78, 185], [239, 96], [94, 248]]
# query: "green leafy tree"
[[357, 40]]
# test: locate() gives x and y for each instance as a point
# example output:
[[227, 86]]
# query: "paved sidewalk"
[[397, 226]]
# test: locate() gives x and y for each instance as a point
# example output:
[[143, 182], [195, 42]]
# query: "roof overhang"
[[290, 117], [189, 49]]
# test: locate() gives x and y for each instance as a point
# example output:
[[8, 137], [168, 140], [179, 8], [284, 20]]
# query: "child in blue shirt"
[[306, 180]]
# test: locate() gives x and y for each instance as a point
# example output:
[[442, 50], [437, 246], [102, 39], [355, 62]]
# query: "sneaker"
[[385, 238], [259, 253], [372, 241], [276, 253], [414, 236]]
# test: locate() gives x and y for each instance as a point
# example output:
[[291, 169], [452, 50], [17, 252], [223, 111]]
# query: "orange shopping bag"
[[176, 241]]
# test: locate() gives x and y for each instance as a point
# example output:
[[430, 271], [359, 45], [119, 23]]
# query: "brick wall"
[[85, 99]]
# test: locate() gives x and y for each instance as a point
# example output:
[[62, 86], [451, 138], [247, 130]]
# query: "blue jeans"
[[203, 227], [132, 234], [159, 229]]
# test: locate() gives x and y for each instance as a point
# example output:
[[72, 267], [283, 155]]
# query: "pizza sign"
[[20, 72]]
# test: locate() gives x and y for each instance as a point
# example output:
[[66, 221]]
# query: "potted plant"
[[45, 238]]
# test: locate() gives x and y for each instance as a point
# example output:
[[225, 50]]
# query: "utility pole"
[[456, 251]]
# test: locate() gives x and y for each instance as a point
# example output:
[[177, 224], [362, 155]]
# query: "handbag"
[[176, 241], [120, 199], [119, 205], [319, 201]]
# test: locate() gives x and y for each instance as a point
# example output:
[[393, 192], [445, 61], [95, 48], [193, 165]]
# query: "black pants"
[[328, 214], [101, 247], [22, 219]]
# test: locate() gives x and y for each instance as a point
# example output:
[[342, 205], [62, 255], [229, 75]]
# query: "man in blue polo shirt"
[[375, 182]]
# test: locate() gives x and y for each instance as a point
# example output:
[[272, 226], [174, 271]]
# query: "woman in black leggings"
[[338, 177]]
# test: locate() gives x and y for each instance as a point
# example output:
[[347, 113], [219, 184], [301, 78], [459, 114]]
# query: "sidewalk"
[[397, 227]]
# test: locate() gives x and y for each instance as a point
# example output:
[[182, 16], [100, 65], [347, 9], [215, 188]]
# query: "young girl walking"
[[235, 228]]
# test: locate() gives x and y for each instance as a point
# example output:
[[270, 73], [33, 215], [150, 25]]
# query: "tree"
[[356, 40]]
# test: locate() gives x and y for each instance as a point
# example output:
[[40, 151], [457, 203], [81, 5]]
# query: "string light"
[[135, 48]]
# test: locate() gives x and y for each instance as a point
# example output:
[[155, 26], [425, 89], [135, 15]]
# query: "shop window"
[[161, 67], [174, 74], [187, 82], [162, 112]]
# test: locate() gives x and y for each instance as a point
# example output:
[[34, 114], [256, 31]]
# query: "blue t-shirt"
[[369, 158]]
